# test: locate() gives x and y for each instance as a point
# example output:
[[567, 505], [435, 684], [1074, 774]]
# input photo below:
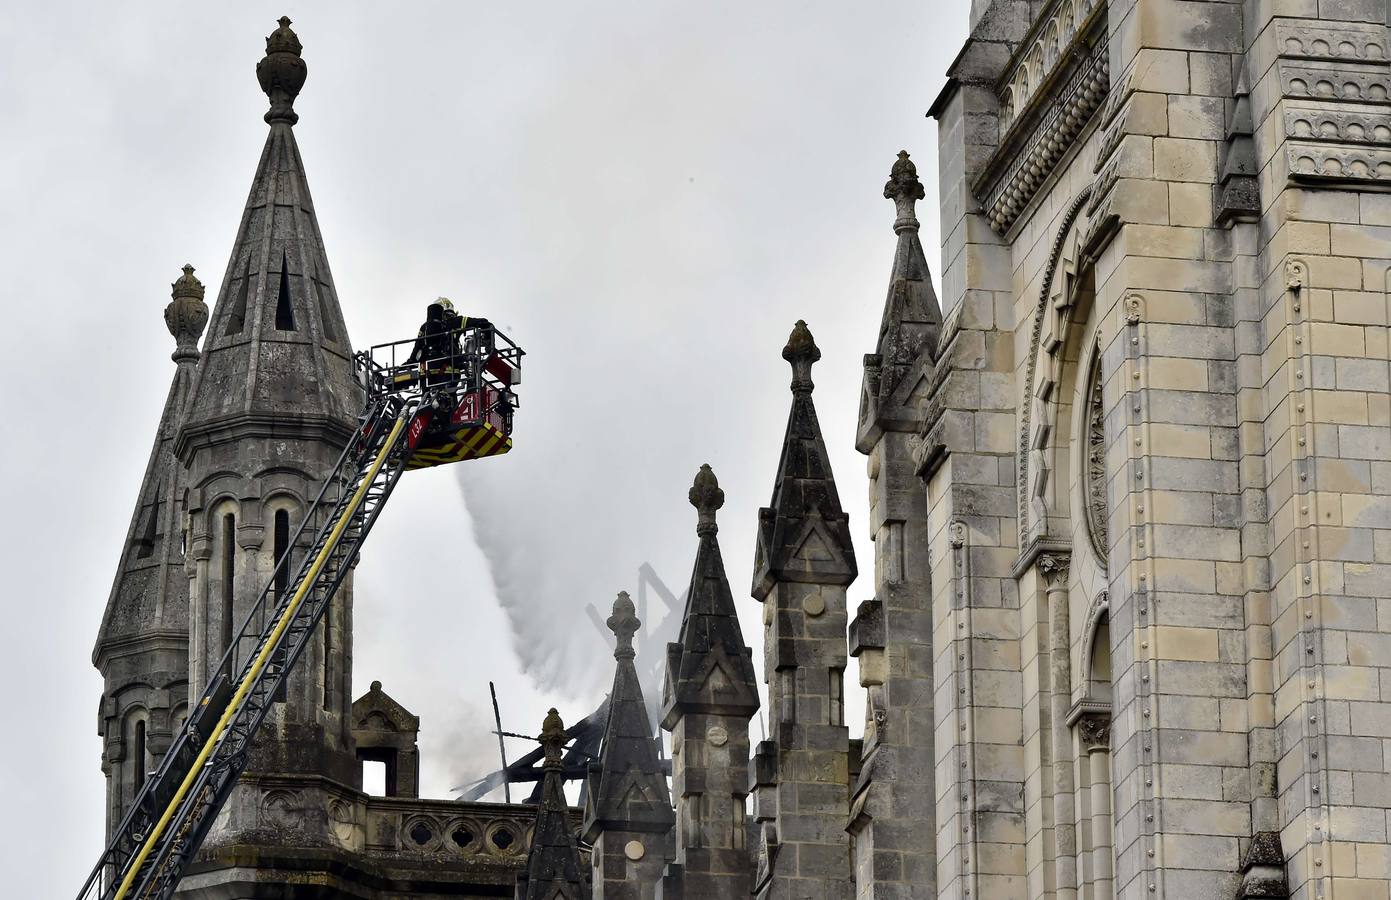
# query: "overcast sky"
[[645, 195]]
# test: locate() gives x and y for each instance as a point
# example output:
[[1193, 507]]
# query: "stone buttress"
[[892, 816]]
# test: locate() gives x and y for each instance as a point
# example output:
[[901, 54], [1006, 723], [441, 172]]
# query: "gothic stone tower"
[[142, 646]]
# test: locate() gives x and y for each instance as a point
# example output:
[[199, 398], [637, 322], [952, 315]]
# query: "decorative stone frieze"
[[1036, 142], [1048, 49]]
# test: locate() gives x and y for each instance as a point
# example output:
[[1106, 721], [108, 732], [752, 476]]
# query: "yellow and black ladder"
[[174, 810]]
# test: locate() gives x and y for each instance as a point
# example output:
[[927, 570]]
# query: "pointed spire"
[[912, 319], [277, 349], [553, 863], [628, 786], [282, 73], [149, 596], [803, 534], [710, 668]]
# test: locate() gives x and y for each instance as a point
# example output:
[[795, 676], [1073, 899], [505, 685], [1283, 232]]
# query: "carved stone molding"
[[1333, 64], [1093, 443], [1049, 47], [1033, 144], [1028, 421]]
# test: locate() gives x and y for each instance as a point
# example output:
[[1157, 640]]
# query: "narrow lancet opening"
[[284, 310]]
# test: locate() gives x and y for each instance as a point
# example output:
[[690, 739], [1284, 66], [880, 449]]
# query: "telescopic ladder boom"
[[173, 812], [423, 410]]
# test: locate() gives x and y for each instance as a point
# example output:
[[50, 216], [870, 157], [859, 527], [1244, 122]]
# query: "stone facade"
[[1130, 501]]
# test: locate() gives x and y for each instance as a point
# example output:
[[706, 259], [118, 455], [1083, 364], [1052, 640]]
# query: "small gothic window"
[[284, 310], [325, 317], [229, 571], [503, 838], [327, 626], [139, 754], [150, 532], [236, 318], [282, 552], [462, 837]]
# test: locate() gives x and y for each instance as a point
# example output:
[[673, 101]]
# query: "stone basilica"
[[1130, 483]]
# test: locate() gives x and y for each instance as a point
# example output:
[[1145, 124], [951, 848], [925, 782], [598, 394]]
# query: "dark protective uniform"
[[435, 346]]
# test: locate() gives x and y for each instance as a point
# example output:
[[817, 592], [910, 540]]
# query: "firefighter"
[[434, 345]]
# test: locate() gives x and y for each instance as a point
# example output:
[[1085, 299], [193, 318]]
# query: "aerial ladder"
[[444, 397]]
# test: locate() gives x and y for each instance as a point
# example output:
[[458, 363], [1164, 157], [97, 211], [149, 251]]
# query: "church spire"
[[710, 669], [142, 645], [803, 534], [553, 864], [629, 789], [277, 347], [150, 590], [912, 320]]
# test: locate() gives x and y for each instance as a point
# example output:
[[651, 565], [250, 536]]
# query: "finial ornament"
[[552, 738], [801, 351], [186, 315], [624, 624], [705, 495], [905, 190], [282, 72]]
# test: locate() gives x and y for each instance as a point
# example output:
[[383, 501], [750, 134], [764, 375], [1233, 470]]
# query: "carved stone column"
[[1055, 567], [1094, 735]]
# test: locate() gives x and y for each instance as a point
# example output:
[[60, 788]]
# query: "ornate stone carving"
[[1050, 48], [282, 73], [1296, 273], [1301, 82], [1055, 567], [186, 315], [1134, 309], [705, 495], [956, 534], [1024, 161], [1307, 39], [1094, 437], [1094, 731]]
